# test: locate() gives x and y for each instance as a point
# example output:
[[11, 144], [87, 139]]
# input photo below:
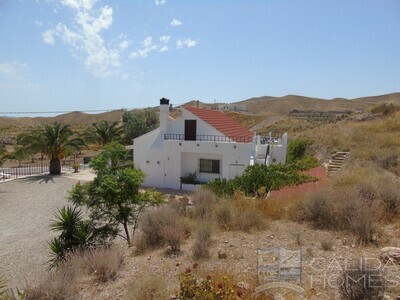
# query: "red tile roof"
[[223, 123]]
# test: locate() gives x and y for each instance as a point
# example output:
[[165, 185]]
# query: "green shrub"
[[222, 187], [257, 176], [297, 149], [190, 178], [385, 109]]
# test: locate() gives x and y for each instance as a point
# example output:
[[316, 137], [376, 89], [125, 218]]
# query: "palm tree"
[[103, 133], [54, 141]]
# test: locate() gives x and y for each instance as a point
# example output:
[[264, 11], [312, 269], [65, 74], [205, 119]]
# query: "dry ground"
[[320, 269]]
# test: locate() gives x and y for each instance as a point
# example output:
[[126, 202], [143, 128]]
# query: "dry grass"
[[354, 204], [203, 201], [103, 264], [277, 209], [61, 283], [57, 285], [148, 287], [202, 242]]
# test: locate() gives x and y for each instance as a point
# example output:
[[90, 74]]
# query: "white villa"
[[204, 141]]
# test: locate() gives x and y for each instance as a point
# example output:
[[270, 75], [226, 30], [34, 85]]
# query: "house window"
[[209, 166]]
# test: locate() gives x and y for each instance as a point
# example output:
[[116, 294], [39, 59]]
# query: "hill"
[[275, 106], [261, 111]]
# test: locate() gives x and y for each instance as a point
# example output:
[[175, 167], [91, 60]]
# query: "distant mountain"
[[275, 106], [271, 107]]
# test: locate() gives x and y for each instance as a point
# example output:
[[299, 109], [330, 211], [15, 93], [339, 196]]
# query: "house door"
[[235, 170], [168, 174], [190, 130]]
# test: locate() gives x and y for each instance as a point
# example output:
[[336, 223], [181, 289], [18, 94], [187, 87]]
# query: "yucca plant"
[[3, 288], [75, 233]]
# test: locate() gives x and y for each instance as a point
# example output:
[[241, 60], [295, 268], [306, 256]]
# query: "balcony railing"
[[208, 138]]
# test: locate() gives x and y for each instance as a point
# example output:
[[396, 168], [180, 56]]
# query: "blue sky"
[[88, 54]]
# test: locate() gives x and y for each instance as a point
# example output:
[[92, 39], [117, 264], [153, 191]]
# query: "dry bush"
[[148, 287], [103, 263], [355, 209], [277, 209], [224, 213], [203, 200], [173, 236], [59, 284], [160, 226], [389, 194], [249, 220], [247, 214], [180, 205], [361, 282], [202, 242], [318, 209]]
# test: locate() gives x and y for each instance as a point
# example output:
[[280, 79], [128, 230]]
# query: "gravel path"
[[27, 207]]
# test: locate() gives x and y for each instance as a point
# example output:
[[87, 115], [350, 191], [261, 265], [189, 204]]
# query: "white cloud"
[[148, 47], [38, 23], [48, 37], [85, 38], [79, 4], [12, 70], [148, 41], [160, 2], [124, 44], [175, 22], [164, 39], [186, 42], [164, 48]]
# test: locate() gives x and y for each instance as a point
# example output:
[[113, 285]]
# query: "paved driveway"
[[27, 207]]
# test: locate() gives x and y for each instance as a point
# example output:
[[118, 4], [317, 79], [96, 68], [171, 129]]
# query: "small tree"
[[113, 197]]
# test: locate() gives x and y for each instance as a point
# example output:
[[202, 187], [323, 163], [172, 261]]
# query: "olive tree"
[[114, 198]]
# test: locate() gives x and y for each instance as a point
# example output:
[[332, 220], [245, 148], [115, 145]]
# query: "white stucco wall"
[[165, 161]]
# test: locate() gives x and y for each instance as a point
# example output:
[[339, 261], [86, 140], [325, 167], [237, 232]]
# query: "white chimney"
[[164, 114]]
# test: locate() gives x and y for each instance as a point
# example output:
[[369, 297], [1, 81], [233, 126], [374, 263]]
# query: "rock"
[[390, 253], [353, 245], [226, 242], [222, 255], [231, 245]]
